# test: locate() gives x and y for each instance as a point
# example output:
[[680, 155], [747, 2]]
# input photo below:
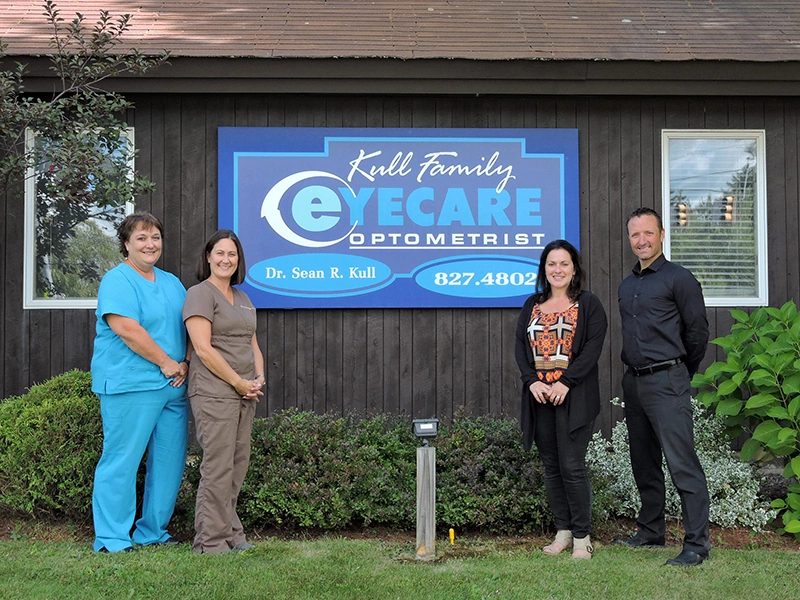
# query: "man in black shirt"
[[664, 337]]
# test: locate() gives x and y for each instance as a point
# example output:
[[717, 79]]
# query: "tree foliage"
[[81, 158]]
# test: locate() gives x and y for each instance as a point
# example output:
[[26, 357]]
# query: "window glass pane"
[[75, 238], [713, 204]]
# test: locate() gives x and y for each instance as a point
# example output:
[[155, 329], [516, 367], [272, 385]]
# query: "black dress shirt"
[[663, 316]]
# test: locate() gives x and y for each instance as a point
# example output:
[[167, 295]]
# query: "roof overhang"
[[447, 76]]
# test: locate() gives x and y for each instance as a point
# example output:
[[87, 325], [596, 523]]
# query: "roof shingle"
[[650, 30]]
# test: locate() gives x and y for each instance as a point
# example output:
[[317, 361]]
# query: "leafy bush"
[[310, 470], [732, 485], [307, 470], [486, 480], [757, 392], [50, 441], [321, 471]]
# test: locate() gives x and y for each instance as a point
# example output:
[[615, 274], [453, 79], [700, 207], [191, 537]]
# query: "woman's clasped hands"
[[175, 371], [553, 393], [250, 389]]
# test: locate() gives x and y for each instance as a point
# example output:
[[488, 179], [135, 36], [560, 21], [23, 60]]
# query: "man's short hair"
[[644, 210]]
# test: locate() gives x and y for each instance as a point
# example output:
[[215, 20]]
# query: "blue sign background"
[[346, 218]]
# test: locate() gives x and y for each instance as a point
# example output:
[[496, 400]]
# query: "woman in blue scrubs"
[[139, 369]]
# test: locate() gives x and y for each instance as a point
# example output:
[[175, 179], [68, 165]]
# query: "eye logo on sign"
[[311, 208], [396, 217]]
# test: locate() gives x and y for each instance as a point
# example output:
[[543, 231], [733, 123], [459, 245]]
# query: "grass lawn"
[[338, 568]]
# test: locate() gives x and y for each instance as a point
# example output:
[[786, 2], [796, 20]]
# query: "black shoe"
[[687, 558], [637, 541]]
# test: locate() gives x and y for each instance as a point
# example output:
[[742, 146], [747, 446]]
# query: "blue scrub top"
[[156, 306]]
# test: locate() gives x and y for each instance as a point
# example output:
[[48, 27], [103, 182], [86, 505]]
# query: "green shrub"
[[486, 480], [320, 471], [183, 518], [385, 455], [757, 391], [732, 484], [50, 441]]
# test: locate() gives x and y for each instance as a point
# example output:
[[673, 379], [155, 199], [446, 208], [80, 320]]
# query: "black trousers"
[[658, 414], [566, 478]]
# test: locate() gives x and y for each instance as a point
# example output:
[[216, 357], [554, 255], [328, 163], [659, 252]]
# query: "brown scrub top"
[[232, 329]]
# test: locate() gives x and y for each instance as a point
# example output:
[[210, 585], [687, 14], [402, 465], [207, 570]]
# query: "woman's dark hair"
[[131, 223], [543, 291], [204, 269]]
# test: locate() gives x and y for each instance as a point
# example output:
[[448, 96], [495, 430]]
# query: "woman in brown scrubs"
[[226, 379]]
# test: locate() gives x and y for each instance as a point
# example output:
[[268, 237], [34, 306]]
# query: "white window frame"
[[759, 136], [29, 299]]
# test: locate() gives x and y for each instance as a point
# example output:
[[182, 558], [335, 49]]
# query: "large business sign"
[[342, 218]]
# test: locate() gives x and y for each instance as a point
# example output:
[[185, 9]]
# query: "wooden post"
[[426, 503]]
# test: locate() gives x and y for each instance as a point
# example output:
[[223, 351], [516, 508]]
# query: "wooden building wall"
[[413, 362]]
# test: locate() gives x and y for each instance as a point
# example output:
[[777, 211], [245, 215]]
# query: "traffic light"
[[727, 208], [683, 213]]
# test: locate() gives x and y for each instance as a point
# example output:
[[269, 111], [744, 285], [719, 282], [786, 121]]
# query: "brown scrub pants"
[[223, 432]]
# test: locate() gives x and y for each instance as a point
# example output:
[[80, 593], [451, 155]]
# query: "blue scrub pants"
[[156, 421]]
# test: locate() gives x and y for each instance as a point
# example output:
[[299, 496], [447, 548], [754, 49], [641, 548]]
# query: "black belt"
[[655, 367]]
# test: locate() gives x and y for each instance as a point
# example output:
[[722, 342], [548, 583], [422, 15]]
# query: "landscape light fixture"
[[425, 429]]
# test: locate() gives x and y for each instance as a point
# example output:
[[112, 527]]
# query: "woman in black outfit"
[[560, 334]]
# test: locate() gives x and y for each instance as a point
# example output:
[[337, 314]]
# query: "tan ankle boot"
[[561, 543], [582, 548]]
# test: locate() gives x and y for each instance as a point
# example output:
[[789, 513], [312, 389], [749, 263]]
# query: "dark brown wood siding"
[[412, 362]]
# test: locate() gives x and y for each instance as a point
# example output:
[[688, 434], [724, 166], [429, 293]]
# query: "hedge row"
[[319, 471], [307, 470]]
